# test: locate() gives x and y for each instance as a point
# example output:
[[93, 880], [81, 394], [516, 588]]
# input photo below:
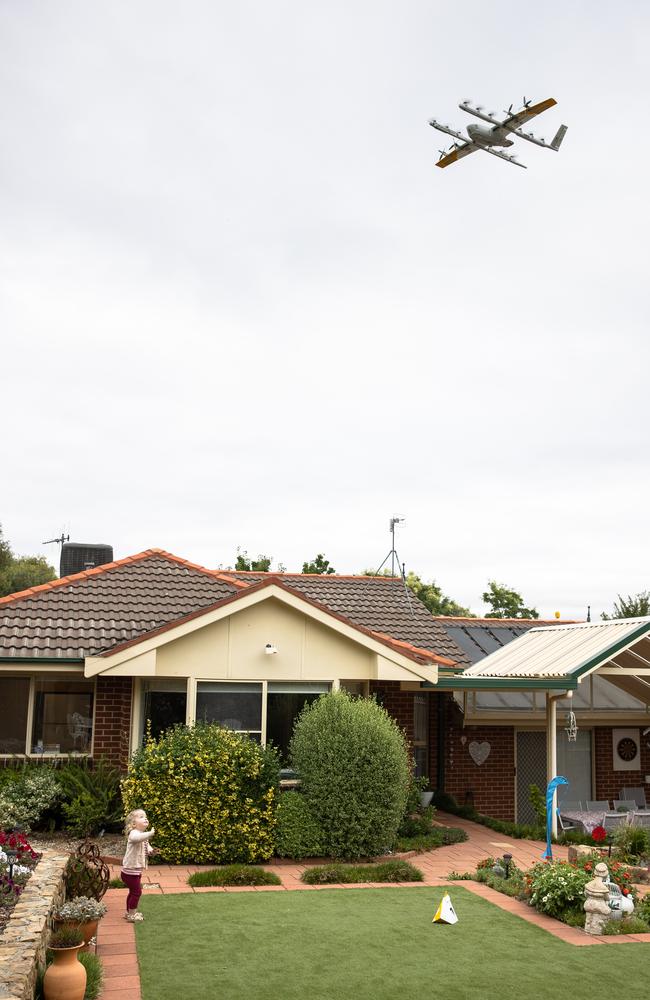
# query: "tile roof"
[[108, 606], [80, 615]]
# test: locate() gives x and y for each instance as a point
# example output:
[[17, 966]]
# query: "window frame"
[[29, 724]]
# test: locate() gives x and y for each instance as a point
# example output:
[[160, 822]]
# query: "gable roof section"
[[83, 614], [378, 603]]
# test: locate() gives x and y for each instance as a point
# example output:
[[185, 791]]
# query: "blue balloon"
[[552, 785]]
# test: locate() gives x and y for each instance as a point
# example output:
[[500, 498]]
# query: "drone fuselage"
[[484, 136]]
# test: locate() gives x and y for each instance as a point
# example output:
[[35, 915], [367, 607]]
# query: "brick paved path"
[[116, 937]]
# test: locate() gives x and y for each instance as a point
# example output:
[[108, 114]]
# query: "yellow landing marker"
[[445, 914]]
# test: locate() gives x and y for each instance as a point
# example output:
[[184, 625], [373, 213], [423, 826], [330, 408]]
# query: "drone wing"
[[459, 151], [513, 122]]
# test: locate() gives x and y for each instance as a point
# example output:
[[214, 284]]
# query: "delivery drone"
[[484, 138]]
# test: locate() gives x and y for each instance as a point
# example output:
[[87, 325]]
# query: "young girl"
[[135, 860]]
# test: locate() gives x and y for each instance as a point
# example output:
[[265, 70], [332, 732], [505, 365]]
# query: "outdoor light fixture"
[[12, 854], [270, 649], [507, 859]]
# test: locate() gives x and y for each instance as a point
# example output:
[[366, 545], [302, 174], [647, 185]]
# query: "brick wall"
[[113, 719], [491, 784], [397, 703], [608, 781]]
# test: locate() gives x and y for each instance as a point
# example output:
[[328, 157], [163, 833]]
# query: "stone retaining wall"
[[23, 943]]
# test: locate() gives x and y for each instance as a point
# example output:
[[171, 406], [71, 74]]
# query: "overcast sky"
[[240, 305]]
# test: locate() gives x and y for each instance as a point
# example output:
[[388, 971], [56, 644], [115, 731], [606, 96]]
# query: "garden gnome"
[[597, 901]]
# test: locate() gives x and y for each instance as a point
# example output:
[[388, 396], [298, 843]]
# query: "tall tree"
[[319, 565], [632, 606], [506, 603], [21, 572]]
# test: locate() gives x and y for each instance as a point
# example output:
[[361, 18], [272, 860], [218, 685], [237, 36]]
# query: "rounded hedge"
[[353, 761], [209, 792], [298, 834]]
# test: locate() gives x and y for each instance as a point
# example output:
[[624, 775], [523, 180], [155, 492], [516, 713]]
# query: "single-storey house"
[[88, 661]]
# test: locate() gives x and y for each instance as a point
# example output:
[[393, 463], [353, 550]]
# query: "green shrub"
[[210, 794], [438, 836], [574, 918], [27, 796], [353, 761], [93, 799], [116, 883], [626, 925], [234, 875], [385, 871], [632, 843], [298, 834], [642, 909], [558, 887], [66, 937], [537, 800], [414, 824]]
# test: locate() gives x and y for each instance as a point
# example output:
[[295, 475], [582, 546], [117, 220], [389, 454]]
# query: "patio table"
[[587, 819]]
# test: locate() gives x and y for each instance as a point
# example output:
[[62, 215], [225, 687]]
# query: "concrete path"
[[116, 938]]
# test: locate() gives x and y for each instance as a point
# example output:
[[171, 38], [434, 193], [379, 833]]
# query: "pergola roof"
[[560, 656]]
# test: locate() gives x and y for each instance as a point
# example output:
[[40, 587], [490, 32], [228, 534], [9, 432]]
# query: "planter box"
[[24, 940]]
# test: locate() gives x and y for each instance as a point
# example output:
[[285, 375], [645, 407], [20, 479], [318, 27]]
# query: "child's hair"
[[129, 823]]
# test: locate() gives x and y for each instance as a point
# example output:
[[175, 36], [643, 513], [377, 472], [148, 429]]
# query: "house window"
[[164, 705], [284, 704], [14, 706], [235, 706], [421, 734], [63, 716]]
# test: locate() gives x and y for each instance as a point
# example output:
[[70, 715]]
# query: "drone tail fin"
[[559, 136]]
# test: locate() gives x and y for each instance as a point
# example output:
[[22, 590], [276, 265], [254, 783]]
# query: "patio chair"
[[625, 805], [641, 819], [565, 824], [612, 820], [637, 795], [598, 805]]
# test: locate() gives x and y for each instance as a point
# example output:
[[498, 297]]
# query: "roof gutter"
[[504, 684]]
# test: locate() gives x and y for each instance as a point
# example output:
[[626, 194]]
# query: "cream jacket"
[[137, 849]]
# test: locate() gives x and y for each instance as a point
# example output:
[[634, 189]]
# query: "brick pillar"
[[113, 719]]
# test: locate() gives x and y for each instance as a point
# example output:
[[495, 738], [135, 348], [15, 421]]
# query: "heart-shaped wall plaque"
[[479, 752]]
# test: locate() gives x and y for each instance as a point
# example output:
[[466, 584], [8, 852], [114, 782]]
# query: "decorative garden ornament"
[[445, 914], [479, 752], [597, 902], [65, 978], [571, 728], [550, 791]]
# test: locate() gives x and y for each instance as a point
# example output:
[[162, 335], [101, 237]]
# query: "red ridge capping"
[[106, 567], [406, 649]]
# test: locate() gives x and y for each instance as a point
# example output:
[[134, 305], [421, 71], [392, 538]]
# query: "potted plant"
[[81, 913], [65, 978], [426, 794]]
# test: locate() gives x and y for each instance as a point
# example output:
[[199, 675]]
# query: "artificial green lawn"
[[367, 944]]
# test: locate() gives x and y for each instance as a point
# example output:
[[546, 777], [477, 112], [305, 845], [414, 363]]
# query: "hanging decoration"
[[571, 728]]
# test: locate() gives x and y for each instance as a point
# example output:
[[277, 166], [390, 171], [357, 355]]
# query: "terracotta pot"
[[88, 928], [65, 978]]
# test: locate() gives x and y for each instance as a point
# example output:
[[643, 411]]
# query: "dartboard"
[[627, 749]]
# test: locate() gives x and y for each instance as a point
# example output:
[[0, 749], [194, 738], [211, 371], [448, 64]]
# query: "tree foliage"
[[244, 563], [433, 598], [21, 572], [506, 603], [319, 565], [632, 606]]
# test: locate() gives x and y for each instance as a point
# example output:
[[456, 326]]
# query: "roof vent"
[[79, 556]]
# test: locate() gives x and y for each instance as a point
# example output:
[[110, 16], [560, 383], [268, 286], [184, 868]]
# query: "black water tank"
[[78, 556]]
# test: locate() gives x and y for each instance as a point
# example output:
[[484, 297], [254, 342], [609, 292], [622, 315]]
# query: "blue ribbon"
[[550, 789]]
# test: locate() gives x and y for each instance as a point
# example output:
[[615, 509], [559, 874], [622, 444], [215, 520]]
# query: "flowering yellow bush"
[[210, 794]]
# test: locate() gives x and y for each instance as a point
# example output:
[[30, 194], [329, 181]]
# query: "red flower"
[[626, 892], [599, 833]]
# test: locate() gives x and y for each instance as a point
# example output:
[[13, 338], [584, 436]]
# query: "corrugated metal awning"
[[560, 655]]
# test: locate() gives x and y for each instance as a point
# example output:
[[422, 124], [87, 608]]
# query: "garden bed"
[[23, 941]]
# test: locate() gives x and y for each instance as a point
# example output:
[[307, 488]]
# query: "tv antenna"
[[392, 555], [58, 541]]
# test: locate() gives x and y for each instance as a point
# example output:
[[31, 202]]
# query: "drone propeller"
[[527, 104], [509, 111]]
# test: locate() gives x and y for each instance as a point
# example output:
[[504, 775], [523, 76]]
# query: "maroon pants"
[[133, 883]]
